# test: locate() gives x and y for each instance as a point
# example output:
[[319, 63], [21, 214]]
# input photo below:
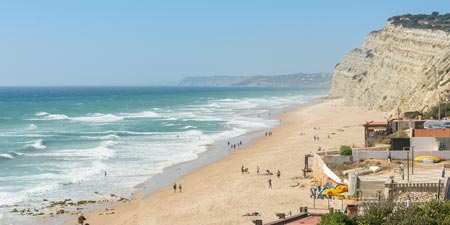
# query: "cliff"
[[290, 80], [396, 68]]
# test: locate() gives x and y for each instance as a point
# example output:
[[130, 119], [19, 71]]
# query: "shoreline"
[[219, 194], [215, 152]]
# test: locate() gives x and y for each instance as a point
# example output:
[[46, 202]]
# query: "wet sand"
[[219, 193]]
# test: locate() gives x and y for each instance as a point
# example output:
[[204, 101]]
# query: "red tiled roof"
[[431, 133], [310, 220]]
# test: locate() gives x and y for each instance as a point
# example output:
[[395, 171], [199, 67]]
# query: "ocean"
[[57, 143]]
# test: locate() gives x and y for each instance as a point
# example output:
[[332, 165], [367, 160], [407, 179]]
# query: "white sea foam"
[[144, 114], [31, 127], [77, 175], [90, 117], [97, 118], [37, 144], [102, 151], [107, 137], [19, 153], [250, 124], [189, 127], [56, 117], [193, 132], [6, 156], [42, 113]]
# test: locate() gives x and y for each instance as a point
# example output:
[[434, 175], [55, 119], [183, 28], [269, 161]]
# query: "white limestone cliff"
[[396, 68]]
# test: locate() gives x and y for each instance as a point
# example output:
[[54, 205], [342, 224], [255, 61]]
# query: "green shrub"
[[345, 150], [337, 218]]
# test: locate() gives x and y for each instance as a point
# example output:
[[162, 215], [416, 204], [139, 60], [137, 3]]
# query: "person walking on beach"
[[389, 160], [257, 170], [81, 218], [402, 170], [278, 174], [179, 188], [270, 183], [105, 174], [175, 188], [443, 171]]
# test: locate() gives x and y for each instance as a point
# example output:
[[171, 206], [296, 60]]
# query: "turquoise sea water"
[[57, 143]]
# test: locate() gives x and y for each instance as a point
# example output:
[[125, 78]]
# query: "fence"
[[359, 154]]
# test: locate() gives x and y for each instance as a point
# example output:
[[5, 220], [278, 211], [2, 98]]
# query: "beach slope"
[[220, 194]]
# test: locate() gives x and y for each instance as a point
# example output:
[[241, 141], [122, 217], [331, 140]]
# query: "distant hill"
[[290, 80], [211, 81]]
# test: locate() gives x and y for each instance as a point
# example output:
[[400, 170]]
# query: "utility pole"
[[398, 120], [438, 93]]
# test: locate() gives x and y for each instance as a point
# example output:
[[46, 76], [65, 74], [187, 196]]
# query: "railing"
[[359, 154]]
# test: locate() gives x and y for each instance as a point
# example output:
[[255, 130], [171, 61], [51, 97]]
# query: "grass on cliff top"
[[423, 21]]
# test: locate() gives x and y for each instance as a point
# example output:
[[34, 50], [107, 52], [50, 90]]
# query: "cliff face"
[[396, 68]]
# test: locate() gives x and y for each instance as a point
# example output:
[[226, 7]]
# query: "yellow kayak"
[[427, 158]]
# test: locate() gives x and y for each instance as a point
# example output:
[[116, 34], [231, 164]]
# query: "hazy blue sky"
[[87, 42]]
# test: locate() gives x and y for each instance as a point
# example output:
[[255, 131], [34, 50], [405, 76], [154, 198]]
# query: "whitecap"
[[6, 156], [194, 132], [97, 118], [56, 117], [144, 114], [107, 137], [84, 173], [42, 113], [31, 127], [102, 151], [37, 144]]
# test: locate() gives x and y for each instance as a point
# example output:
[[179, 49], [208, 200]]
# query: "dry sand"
[[220, 194]]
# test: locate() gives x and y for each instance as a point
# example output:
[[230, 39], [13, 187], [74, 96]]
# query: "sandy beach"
[[220, 194]]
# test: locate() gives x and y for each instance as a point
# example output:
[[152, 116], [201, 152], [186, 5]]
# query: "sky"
[[131, 42]]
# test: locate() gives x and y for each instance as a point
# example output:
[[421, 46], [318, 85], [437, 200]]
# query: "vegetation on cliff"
[[435, 212], [423, 21]]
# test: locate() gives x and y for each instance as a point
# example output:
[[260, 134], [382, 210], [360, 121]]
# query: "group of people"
[[270, 180], [234, 146], [244, 170], [175, 188], [315, 138], [269, 133]]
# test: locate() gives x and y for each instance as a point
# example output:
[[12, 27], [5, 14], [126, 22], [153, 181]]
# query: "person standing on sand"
[[278, 174], [179, 188], [402, 170], [408, 202], [270, 183], [175, 188], [388, 155], [443, 171], [81, 218], [257, 170]]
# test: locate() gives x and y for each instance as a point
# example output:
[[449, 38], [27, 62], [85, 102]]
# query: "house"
[[431, 139]]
